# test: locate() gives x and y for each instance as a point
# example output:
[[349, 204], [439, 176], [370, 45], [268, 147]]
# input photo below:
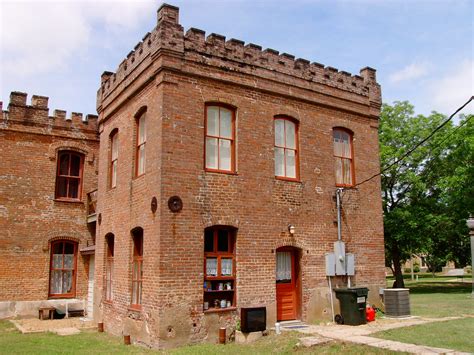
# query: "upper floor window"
[[220, 139], [69, 175], [140, 148], [286, 148], [137, 267], [344, 159], [63, 264], [113, 158], [109, 266]]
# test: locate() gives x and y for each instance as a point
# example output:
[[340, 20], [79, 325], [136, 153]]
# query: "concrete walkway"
[[360, 334]]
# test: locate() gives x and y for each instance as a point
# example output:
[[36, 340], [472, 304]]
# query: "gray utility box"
[[397, 302]]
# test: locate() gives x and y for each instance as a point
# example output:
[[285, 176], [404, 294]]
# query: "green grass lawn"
[[439, 296], [91, 342], [454, 334]]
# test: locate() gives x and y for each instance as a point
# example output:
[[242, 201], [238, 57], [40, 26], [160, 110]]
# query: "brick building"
[[216, 172], [48, 167], [219, 163]]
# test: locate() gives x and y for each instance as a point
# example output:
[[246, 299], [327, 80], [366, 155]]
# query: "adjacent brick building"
[[218, 166], [48, 167]]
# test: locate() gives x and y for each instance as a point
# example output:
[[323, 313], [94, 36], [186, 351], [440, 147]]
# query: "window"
[[62, 281], [220, 147], [109, 266], [137, 267], [141, 140], [343, 155], [113, 158], [69, 176], [286, 152], [219, 268]]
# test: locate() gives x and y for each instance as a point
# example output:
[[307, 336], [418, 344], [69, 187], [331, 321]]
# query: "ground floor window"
[[219, 268], [137, 267], [63, 264]]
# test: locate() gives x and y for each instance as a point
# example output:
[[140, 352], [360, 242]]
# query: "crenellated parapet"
[[36, 114], [231, 55]]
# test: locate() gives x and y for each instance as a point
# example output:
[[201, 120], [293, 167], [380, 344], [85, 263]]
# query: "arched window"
[[219, 267], [344, 157], [140, 147], [220, 137], [286, 148], [69, 175], [137, 267], [63, 265], [109, 266], [113, 158]]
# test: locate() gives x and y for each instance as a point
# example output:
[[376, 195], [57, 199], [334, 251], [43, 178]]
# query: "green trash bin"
[[353, 301]]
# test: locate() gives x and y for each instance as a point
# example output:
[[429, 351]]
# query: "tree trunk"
[[399, 283]]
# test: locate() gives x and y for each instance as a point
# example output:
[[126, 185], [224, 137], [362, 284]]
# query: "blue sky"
[[423, 50]]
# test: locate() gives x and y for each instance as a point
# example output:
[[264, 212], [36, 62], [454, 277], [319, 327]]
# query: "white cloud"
[[453, 88], [43, 36], [410, 72]]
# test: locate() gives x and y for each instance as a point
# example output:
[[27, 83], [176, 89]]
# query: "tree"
[[413, 216]]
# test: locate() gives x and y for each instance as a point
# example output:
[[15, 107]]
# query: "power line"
[[416, 145]]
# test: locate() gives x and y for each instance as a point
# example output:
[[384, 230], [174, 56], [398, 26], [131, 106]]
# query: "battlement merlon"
[[37, 114], [168, 36]]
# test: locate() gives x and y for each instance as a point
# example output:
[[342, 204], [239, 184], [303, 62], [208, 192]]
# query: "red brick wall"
[[175, 82], [29, 215]]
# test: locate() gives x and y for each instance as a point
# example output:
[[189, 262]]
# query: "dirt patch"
[[34, 325]]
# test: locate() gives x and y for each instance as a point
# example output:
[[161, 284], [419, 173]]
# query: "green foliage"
[[427, 197]]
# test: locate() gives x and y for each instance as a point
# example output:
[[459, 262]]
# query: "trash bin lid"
[[359, 291]]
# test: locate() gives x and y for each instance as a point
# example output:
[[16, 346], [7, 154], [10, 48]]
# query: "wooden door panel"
[[286, 295]]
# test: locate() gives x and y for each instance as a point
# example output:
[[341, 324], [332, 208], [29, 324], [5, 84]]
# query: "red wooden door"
[[286, 285]]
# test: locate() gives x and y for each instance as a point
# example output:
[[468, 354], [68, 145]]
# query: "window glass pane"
[[141, 130], [211, 266], [290, 134], [68, 248], [113, 181], [283, 267], [134, 293], [75, 165], [138, 244], [347, 172], [338, 147], [225, 154], [56, 282], [290, 163], [225, 123], [69, 261], [67, 282], [346, 148], [139, 293], [211, 153], [226, 267], [141, 160], [208, 240], [114, 147], [62, 187], [73, 188], [58, 248], [338, 167], [223, 240], [57, 261], [279, 162], [212, 121], [280, 133], [64, 164]]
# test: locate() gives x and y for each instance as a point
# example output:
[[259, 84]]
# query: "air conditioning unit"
[[397, 302]]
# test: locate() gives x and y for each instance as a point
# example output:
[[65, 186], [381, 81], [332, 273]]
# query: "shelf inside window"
[[215, 310], [219, 290]]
